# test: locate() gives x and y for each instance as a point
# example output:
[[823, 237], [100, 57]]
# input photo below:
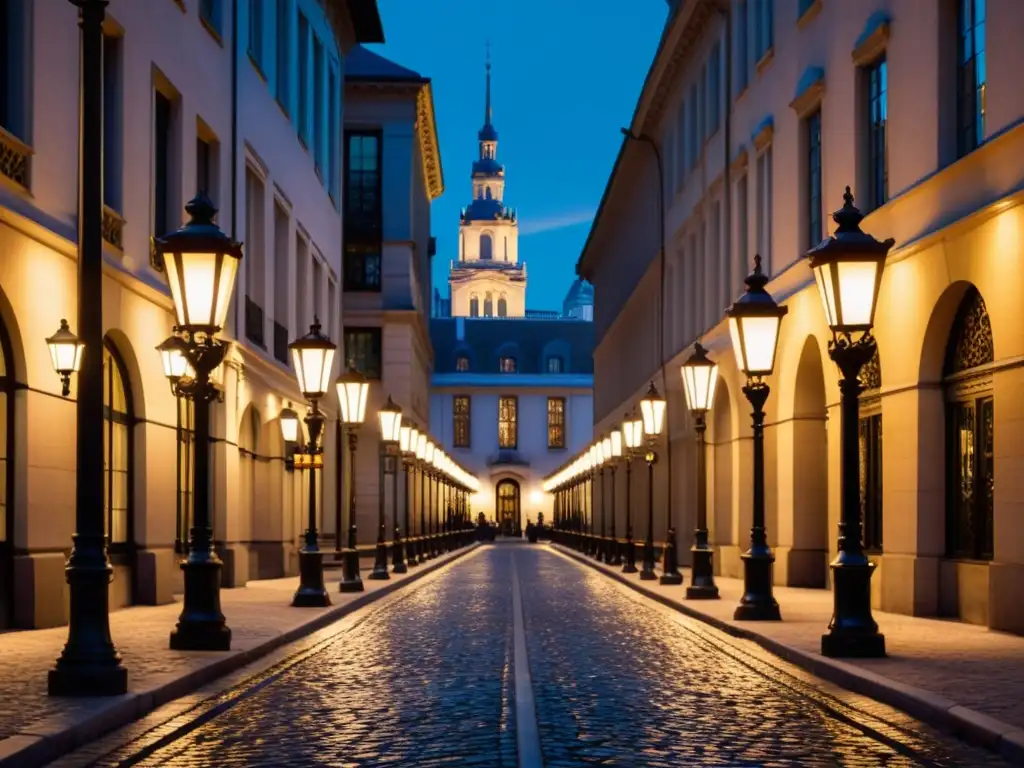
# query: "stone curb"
[[45, 741], [945, 714]]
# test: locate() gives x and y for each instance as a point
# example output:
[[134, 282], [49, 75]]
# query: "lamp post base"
[[629, 566], [758, 603], [311, 592], [201, 626], [411, 557], [398, 555], [350, 579], [600, 548], [852, 632], [669, 569], [380, 564], [647, 570], [614, 552], [87, 678], [702, 580], [424, 546]]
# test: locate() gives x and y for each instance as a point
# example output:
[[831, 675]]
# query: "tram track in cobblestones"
[[612, 678]]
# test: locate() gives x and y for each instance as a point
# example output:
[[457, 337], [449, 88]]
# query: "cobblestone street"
[[427, 679]]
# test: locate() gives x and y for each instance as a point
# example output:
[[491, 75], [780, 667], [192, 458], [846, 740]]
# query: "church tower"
[[488, 280]]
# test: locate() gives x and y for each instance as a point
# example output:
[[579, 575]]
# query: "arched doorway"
[[118, 471], [6, 481], [507, 494]]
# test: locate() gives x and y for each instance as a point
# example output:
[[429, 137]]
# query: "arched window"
[[970, 429], [870, 453], [486, 247], [487, 193], [502, 306], [462, 363], [488, 305], [507, 364], [474, 306], [117, 450], [555, 364]]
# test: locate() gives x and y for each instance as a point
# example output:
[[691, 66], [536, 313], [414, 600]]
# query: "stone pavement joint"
[[999, 736], [36, 729]]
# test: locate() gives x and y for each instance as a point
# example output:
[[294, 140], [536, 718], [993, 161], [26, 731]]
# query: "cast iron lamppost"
[[700, 378], [353, 392], [428, 467], [848, 269], [436, 549], [754, 323], [596, 476], [613, 448], [589, 466], [606, 457], [407, 444], [65, 354], [632, 435], [312, 358], [201, 264], [89, 665], [421, 461], [390, 417], [289, 434], [652, 408]]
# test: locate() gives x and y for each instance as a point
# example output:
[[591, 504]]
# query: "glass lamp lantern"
[[65, 354], [652, 409], [848, 268], [407, 438], [421, 447], [632, 431], [201, 264], [428, 454], [289, 424], [313, 358], [172, 357], [615, 443], [700, 378], [390, 418], [754, 322], [353, 391], [606, 448]]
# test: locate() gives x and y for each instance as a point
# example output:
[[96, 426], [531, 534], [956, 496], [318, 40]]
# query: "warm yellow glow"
[[633, 432], [390, 418], [65, 350], [407, 438], [848, 291], [289, 425], [536, 497], [615, 443], [699, 382], [755, 341], [353, 391], [653, 411], [428, 455], [421, 446], [201, 286]]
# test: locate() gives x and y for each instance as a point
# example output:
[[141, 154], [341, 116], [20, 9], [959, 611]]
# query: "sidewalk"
[[35, 728], [959, 677]]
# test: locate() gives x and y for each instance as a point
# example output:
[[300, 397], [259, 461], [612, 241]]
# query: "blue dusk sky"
[[565, 78]]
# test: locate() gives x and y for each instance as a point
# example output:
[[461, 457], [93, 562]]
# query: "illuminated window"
[[117, 444], [556, 422], [507, 364], [460, 421], [508, 425], [555, 364], [186, 436], [462, 364]]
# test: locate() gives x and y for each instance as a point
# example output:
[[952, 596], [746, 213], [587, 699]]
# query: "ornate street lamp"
[[407, 440], [435, 525], [390, 418], [594, 546], [848, 269], [652, 409], [613, 449], [353, 392], [174, 360], [65, 354], [632, 436], [754, 323], [89, 664], [421, 462], [428, 465], [606, 459], [312, 358], [201, 264], [289, 434], [700, 378]]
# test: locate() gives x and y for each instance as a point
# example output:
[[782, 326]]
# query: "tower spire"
[[487, 107]]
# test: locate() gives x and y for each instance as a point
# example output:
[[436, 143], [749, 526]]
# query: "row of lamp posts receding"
[[201, 264], [847, 267]]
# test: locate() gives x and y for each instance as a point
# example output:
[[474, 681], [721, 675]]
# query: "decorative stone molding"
[[809, 91], [15, 161], [762, 135], [430, 153], [113, 228], [873, 40], [740, 162], [808, 16]]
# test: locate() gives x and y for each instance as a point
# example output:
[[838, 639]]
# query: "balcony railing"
[[15, 156], [254, 323], [280, 343]]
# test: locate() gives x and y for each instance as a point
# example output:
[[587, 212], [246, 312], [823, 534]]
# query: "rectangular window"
[[692, 138], [742, 43], [971, 75], [871, 480], [764, 27], [254, 258], [507, 364], [209, 12], [556, 422], [813, 180], [282, 48], [207, 151], [681, 146], [162, 171], [318, 106], [460, 421], [281, 261], [331, 312], [555, 364], [362, 351], [112, 142], [318, 278], [303, 80], [743, 254], [508, 422], [764, 207], [302, 313], [332, 133], [714, 88], [702, 106], [877, 78], [363, 215], [256, 33], [803, 6], [719, 263], [969, 532]]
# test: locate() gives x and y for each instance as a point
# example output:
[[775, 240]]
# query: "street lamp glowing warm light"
[[312, 358], [848, 269], [65, 354], [615, 443], [536, 497], [289, 425], [700, 377], [390, 417], [421, 446], [407, 438], [428, 454], [172, 356], [632, 431], [652, 408], [201, 264], [353, 391], [754, 321]]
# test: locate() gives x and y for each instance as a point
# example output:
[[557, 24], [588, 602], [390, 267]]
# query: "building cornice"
[[430, 150]]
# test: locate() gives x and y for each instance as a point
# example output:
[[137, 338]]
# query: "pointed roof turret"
[[488, 133]]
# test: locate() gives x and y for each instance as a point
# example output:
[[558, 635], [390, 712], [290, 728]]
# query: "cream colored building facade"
[[394, 160], [240, 99], [764, 112]]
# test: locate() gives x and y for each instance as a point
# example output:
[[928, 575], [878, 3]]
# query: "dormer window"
[[555, 364], [462, 364], [507, 364]]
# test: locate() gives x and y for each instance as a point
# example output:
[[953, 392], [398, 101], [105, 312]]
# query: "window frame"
[[282, 54], [462, 421], [876, 113], [119, 550], [971, 79], [812, 125], [256, 35], [556, 423], [508, 364], [554, 359], [462, 363], [376, 334], [508, 436], [363, 232]]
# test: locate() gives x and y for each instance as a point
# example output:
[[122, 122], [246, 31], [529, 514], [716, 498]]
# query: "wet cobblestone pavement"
[[427, 679]]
